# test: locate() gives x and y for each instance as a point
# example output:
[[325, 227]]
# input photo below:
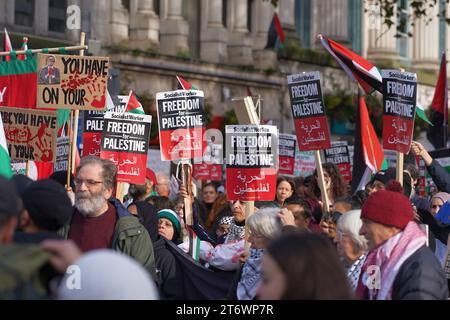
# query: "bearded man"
[[101, 222]]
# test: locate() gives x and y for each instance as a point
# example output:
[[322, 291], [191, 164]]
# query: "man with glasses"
[[99, 222]]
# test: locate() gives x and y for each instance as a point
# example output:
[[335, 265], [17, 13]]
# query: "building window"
[[24, 13], [224, 13], [403, 29], [303, 22], [57, 15], [249, 14], [156, 7]]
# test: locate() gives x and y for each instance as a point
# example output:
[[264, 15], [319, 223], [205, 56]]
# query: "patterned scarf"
[[383, 263], [236, 232], [251, 275]]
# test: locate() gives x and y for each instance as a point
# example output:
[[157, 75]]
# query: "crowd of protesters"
[[81, 242]]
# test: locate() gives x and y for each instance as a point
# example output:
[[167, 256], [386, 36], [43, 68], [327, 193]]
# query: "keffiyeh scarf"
[[383, 263], [251, 275]]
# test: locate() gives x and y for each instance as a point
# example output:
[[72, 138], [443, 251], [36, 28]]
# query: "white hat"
[[107, 275]]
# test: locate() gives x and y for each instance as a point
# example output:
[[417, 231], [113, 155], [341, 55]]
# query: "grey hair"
[[266, 223], [109, 172], [350, 223]]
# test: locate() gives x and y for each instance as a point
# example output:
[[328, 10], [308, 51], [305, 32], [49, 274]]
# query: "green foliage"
[[404, 17]]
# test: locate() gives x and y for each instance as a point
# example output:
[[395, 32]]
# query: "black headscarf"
[[149, 215]]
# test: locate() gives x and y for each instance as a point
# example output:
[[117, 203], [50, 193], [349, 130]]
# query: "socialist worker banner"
[[125, 142], [286, 153], [181, 119], [308, 111], [72, 82], [399, 100], [251, 159], [30, 134]]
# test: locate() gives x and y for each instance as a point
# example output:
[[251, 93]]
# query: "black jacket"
[[440, 176], [420, 278], [168, 274]]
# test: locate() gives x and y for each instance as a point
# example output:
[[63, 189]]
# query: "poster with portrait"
[[72, 82]]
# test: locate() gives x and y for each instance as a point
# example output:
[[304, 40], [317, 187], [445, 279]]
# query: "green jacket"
[[25, 272], [130, 237]]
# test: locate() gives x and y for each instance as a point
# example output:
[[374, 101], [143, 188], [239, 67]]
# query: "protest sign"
[[181, 118], [251, 159], [93, 124], [72, 82], [399, 100], [125, 142], [339, 155], [62, 154], [305, 163], [92, 133], [206, 171], [286, 153], [308, 111], [30, 134]]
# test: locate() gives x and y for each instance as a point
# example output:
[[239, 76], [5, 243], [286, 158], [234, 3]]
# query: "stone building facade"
[[219, 45]]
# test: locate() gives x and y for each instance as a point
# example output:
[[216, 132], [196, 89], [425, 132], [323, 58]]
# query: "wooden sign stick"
[[399, 172], [77, 113], [249, 208], [323, 191], [186, 175], [119, 191]]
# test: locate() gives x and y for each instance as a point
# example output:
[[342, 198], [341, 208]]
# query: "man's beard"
[[89, 205], [137, 190]]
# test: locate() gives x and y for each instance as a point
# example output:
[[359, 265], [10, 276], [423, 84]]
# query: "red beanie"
[[389, 208], [150, 175]]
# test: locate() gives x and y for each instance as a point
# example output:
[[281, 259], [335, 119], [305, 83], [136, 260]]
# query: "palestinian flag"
[[276, 33], [5, 161], [194, 243], [183, 84], [356, 67], [438, 132], [368, 154], [133, 105], [7, 45], [359, 69]]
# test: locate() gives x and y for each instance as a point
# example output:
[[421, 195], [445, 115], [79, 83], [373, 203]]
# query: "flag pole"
[[77, 112], [444, 61], [47, 50], [69, 162]]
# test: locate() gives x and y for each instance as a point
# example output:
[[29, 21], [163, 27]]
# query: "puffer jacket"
[[420, 278]]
